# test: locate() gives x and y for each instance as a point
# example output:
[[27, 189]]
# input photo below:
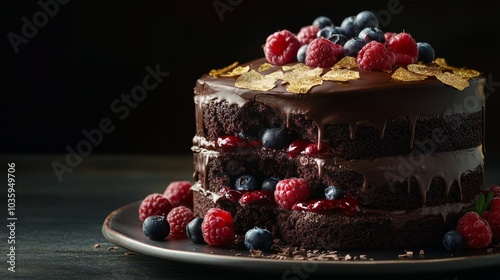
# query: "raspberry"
[[405, 48], [307, 34], [217, 227], [495, 204], [290, 191], [375, 56], [178, 218], [179, 193], [475, 230], [322, 52], [388, 36], [496, 190], [154, 204], [493, 219], [281, 47]]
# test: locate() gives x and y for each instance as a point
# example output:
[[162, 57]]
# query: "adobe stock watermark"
[[121, 107], [30, 27], [223, 6]]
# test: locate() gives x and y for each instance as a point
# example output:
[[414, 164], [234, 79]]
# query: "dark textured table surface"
[[58, 221]]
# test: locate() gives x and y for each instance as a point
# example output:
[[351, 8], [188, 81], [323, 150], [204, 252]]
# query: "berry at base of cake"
[[405, 159]]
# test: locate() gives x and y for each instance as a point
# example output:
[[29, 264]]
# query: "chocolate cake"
[[401, 149]]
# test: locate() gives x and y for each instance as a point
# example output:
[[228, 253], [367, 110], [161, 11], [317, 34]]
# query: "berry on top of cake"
[[327, 44]]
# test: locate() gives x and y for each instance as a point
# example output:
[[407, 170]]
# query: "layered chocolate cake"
[[340, 156]]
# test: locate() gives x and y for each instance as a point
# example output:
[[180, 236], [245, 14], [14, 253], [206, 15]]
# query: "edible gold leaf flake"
[[424, 70], [404, 75], [347, 62], [462, 72], [466, 73], [453, 80], [255, 81], [302, 79], [295, 66], [340, 75], [218, 72], [278, 75], [442, 62], [236, 71], [265, 66]]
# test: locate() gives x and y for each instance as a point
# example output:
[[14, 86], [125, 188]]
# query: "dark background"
[[89, 53]]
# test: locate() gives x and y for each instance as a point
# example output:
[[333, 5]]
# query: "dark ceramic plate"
[[123, 228]]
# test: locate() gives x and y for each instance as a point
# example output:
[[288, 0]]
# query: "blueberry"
[[258, 239], [348, 26], [275, 138], [335, 34], [328, 31], [425, 52], [322, 21], [248, 135], [333, 192], [353, 46], [246, 183], [453, 241], [372, 34], [269, 184], [156, 227], [365, 19], [193, 231], [301, 53]]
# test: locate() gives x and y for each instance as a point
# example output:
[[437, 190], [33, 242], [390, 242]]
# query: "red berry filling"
[[296, 147], [228, 143], [258, 197], [312, 150]]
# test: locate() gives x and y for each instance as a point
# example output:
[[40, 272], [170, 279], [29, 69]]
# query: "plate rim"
[[398, 266]]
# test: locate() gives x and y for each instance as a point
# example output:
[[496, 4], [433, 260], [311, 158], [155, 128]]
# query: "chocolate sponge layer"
[[432, 134]]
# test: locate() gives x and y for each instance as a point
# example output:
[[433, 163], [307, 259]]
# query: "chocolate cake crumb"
[[282, 252]]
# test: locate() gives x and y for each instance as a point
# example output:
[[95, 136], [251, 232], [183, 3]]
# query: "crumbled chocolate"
[[282, 252]]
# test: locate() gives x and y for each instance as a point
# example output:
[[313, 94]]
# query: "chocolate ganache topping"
[[373, 100]]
